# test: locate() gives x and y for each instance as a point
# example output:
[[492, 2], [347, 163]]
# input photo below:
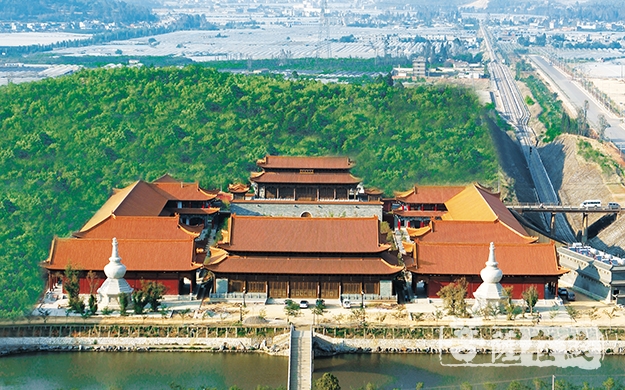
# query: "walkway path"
[[301, 361]]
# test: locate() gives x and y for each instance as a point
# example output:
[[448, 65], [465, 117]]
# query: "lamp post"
[[244, 292], [362, 299]]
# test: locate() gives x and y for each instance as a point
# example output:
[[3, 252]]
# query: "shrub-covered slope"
[[67, 142]]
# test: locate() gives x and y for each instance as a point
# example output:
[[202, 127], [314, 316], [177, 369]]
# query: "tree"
[[292, 309], [530, 296], [359, 315], [139, 301], [512, 310], [93, 304], [609, 383], [154, 292], [71, 282], [124, 300], [327, 382], [454, 298], [318, 310], [602, 125], [572, 312]]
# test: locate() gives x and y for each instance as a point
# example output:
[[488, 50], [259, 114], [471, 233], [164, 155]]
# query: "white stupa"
[[115, 284], [490, 291]]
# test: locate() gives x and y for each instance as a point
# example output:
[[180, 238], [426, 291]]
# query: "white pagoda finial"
[[115, 269], [491, 273]]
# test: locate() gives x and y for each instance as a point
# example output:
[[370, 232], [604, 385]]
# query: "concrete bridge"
[[554, 209], [300, 360]]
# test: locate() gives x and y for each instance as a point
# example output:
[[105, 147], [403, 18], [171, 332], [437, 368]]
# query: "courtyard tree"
[[71, 282], [454, 298], [530, 296], [318, 310], [291, 309]]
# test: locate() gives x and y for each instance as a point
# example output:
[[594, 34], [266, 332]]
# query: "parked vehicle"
[[591, 204], [570, 296], [563, 292], [614, 206], [303, 304], [346, 304]]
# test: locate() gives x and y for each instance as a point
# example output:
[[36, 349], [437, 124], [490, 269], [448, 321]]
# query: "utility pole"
[[553, 382]]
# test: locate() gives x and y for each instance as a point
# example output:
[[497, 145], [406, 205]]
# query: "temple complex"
[[305, 227]]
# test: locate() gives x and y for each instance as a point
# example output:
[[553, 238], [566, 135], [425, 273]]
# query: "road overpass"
[[553, 210]]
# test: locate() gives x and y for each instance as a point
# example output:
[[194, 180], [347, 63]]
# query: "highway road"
[[512, 106], [576, 95]]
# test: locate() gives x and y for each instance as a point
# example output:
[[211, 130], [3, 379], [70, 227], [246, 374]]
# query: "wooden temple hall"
[[293, 257], [162, 228], [307, 179]]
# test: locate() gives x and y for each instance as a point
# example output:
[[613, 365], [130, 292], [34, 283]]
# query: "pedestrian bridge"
[[300, 360]]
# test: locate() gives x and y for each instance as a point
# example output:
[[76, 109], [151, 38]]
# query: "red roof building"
[[305, 186], [303, 258], [158, 226], [152, 248], [457, 245]]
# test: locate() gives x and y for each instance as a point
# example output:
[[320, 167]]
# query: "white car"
[[346, 304]]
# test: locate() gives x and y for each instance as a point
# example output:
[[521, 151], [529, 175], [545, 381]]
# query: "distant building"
[[417, 71]]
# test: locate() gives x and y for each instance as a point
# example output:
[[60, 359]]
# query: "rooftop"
[[303, 235], [301, 162]]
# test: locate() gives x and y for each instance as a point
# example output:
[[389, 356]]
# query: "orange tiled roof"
[[238, 188], [139, 198], [139, 227], [429, 194], [373, 191], [303, 235], [305, 178], [475, 203], [92, 254], [302, 162], [470, 232], [470, 259], [147, 199], [305, 265]]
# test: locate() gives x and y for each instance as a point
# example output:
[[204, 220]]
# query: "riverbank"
[[328, 340]]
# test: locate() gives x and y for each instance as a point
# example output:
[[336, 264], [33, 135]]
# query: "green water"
[[156, 370]]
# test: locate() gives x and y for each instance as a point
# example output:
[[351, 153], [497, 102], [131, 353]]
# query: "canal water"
[[157, 370]]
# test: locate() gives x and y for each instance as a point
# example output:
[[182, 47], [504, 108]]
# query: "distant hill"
[[66, 142], [107, 11]]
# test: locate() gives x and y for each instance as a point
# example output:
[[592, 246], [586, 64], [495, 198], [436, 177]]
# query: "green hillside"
[[68, 141]]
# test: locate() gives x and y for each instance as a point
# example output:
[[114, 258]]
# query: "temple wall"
[[316, 209]]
